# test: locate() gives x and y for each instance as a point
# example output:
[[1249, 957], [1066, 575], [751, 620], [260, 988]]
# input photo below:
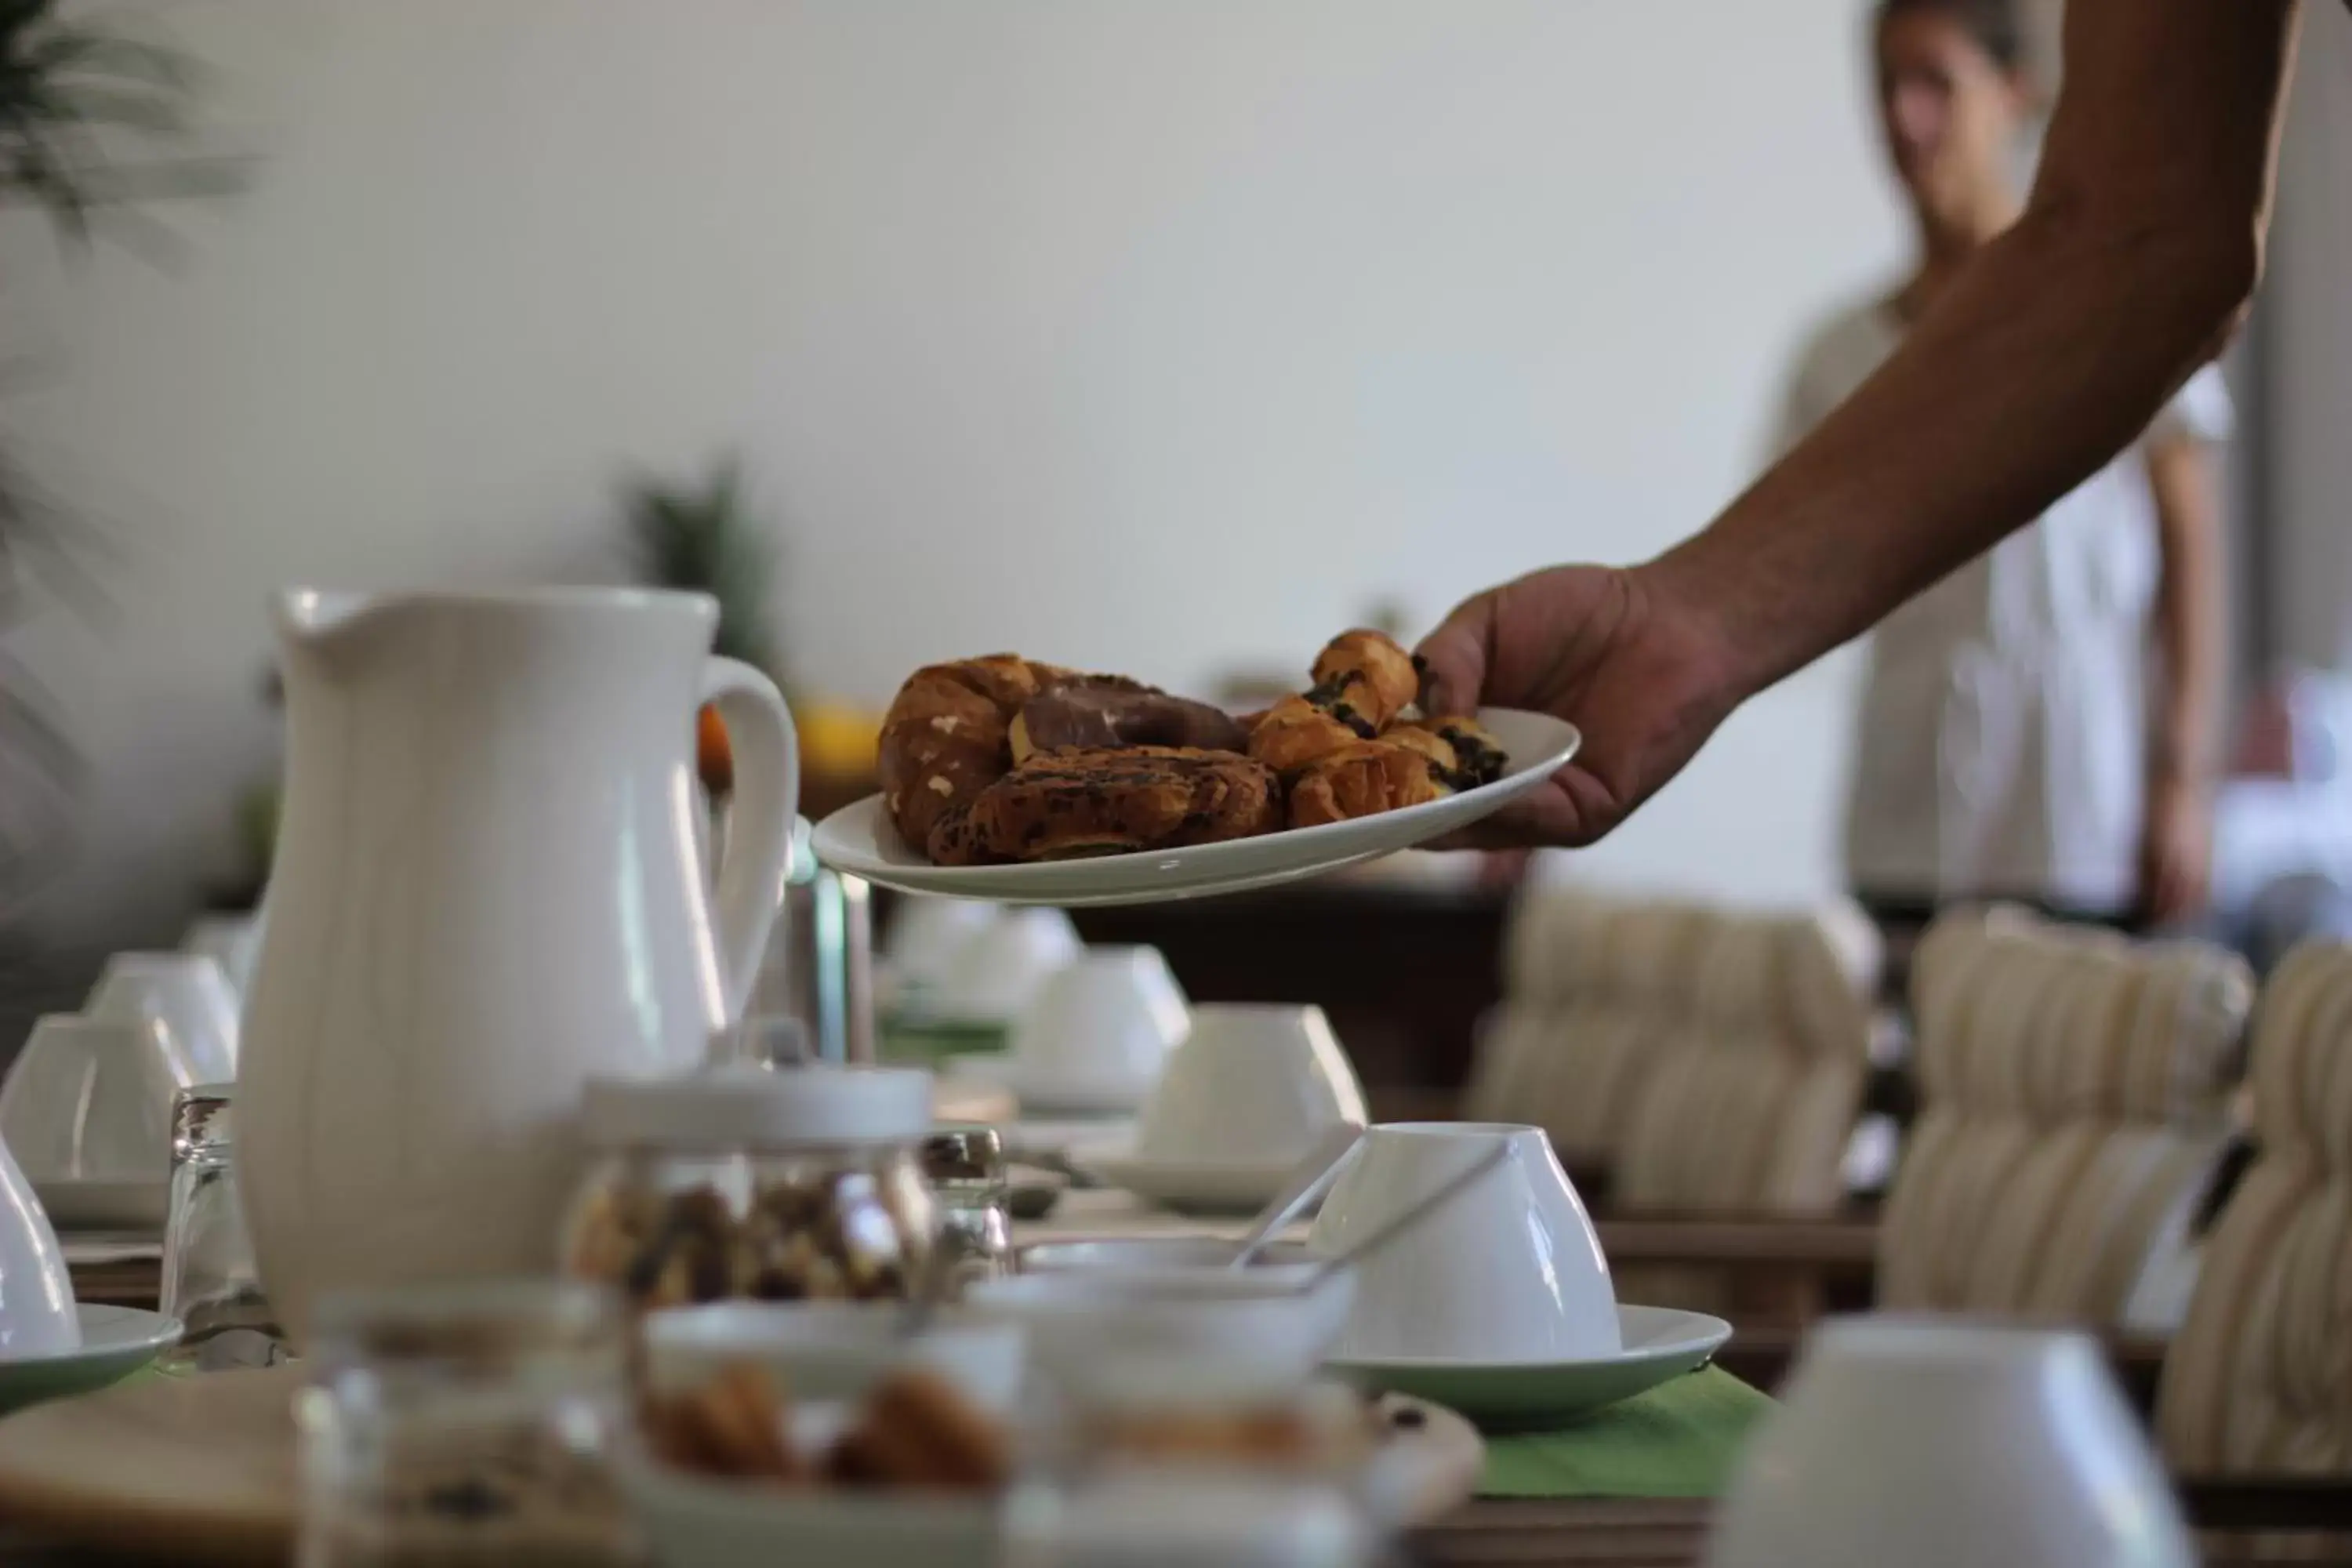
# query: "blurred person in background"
[[2050, 351], [2015, 740]]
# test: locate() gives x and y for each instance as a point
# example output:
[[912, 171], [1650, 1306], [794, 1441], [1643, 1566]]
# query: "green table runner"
[[920, 1043], [1677, 1440]]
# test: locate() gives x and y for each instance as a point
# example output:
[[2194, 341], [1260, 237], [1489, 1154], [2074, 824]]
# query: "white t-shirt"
[[2002, 743]]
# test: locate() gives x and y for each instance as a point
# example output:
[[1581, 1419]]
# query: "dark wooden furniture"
[[1404, 972], [1604, 1532]]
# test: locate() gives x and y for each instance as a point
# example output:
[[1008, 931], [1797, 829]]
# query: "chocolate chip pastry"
[[1067, 805]]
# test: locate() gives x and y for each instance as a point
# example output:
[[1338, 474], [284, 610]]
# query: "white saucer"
[[1661, 1343], [115, 1342], [79, 1203], [1188, 1187], [1048, 1094], [860, 840]]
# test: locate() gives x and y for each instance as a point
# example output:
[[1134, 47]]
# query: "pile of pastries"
[[914, 1430], [1000, 759]]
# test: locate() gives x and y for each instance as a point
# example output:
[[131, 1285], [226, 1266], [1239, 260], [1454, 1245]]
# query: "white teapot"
[[486, 891]]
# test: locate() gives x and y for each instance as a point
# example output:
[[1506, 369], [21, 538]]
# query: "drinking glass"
[[965, 1165], [465, 1426], [210, 1283]]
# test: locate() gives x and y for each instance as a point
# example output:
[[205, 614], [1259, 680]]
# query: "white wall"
[[1148, 335], [2310, 352]]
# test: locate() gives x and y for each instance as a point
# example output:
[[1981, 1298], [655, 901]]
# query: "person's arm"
[[2050, 351], [2047, 355], [2176, 842]]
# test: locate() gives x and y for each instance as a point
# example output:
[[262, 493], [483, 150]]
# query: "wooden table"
[[1620, 1532]]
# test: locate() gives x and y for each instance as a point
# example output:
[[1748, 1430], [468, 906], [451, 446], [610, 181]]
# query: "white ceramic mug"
[[37, 1298], [1942, 1445], [997, 975], [187, 993], [1104, 1022], [927, 934], [1506, 1270], [233, 942], [90, 1100], [1253, 1084]]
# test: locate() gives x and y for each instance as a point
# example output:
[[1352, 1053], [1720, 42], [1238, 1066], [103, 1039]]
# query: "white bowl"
[[1169, 1332], [831, 1350], [188, 993], [996, 975], [927, 934], [90, 1100], [1253, 1085], [1939, 1445], [37, 1298], [1506, 1270], [1103, 1025], [233, 942]]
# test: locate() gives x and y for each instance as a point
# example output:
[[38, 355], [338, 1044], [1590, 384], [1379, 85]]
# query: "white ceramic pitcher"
[[486, 889]]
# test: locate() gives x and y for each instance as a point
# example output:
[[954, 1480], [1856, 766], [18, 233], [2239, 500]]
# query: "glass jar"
[[209, 1281], [791, 1185], [464, 1426], [965, 1165]]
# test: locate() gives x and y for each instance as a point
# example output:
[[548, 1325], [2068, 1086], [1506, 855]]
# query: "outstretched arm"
[[2138, 249]]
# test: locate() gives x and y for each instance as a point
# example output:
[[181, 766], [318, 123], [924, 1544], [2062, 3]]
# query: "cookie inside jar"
[[746, 1184]]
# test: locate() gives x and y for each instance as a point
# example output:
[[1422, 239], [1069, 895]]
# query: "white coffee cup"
[[996, 974], [37, 1298], [1103, 1025], [1253, 1084], [1942, 1445], [90, 1100], [927, 934], [233, 942], [1506, 1270], [184, 991]]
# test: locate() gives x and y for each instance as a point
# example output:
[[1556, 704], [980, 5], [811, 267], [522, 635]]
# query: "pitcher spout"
[[307, 618]]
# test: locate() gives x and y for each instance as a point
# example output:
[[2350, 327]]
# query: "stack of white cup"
[[87, 1106]]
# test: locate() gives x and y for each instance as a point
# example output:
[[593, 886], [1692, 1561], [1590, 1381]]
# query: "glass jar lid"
[[742, 1106], [964, 1153]]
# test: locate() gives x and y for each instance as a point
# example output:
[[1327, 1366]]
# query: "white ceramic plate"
[[115, 1342], [1188, 1187], [860, 840], [1045, 1094], [82, 1204], [694, 1522], [1661, 1343]]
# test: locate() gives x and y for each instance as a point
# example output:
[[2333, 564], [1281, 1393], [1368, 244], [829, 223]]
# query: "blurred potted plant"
[[86, 111], [701, 535], [705, 534]]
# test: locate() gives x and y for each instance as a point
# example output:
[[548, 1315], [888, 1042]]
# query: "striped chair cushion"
[[2259, 1379], [2075, 1087]]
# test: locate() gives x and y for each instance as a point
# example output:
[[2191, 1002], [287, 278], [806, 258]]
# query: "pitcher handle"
[[758, 858]]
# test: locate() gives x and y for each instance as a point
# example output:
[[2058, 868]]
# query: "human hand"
[[2176, 852], [1627, 655]]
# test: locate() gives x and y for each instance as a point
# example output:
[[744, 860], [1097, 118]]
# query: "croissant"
[[1365, 675], [1295, 732], [1480, 758], [1366, 779], [1464, 754], [1427, 741]]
